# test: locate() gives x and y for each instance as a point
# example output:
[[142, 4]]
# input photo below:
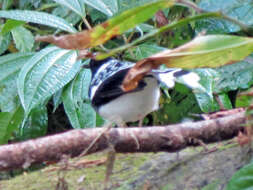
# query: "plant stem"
[[38, 31], [218, 15], [243, 26], [192, 5], [86, 23], [48, 6], [156, 32]]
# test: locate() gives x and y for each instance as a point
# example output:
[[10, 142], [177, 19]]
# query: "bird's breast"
[[133, 106]]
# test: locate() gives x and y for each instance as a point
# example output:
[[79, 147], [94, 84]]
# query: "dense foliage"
[[37, 78]]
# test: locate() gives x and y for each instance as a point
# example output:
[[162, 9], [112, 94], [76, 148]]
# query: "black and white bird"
[[120, 107]]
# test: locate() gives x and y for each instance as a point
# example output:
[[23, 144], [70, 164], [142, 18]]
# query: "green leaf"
[[38, 18], [143, 50], [244, 99], [129, 4], [75, 5], [242, 179], [240, 10], [5, 41], [181, 105], [76, 104], [225, 100], [57, 100], [208, 51], [108, 7], [6, 4], [203, 51], [44, 74], [9, 25], [23, 39], [35, 125], [67, 15], [152, 33], [205, 100], [11, 63], [235, 76], [10, 66], [127, 20], [9, 122]]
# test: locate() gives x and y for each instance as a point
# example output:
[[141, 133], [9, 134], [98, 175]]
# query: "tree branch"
[[151, 139]]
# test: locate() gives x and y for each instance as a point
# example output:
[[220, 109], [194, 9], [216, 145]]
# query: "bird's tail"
[[168, 77]]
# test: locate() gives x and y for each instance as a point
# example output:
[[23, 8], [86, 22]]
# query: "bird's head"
[[94, 65]]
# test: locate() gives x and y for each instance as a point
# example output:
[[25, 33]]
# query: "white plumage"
[[133, 106]]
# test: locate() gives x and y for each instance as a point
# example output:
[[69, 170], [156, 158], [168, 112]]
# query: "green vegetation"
[[41, 83]]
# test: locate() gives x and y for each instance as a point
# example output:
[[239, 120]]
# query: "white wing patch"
[[191, 80], [169, 76], [166, 76]]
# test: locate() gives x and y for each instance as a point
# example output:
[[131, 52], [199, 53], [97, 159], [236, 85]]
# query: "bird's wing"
[[168, 77], [111, 88]]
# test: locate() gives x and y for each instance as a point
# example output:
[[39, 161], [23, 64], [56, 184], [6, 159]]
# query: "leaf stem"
[[156, 32], [40, 32], [243, 26], [48, 6], [192, 5], [86, 23], [218, 14]]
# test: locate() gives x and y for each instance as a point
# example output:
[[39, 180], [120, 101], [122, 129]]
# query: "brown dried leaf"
[[109, 29], [80, 40], [136, 73]]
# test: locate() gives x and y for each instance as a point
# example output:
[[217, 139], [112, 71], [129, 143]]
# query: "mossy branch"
[[150, 139]]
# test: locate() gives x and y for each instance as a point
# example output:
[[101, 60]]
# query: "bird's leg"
[[140, 120], [111, 155], [140, 123], [141, 117], [106, 128]]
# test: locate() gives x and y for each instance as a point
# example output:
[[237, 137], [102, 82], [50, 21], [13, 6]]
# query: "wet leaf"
[[35, 125], [75, 5], [57, 99], [244, 99], [76, 103], [142, 51], [105, 31], [38, 18], [203, 51], [9, 122], [108, 7], [23, 39], [237, 76], [10, 66], [206, 100], [69, 16], [242, 179], [9, 25], [181, 105], [44, 74], [129, 4], [5, 41], [240, 10]]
